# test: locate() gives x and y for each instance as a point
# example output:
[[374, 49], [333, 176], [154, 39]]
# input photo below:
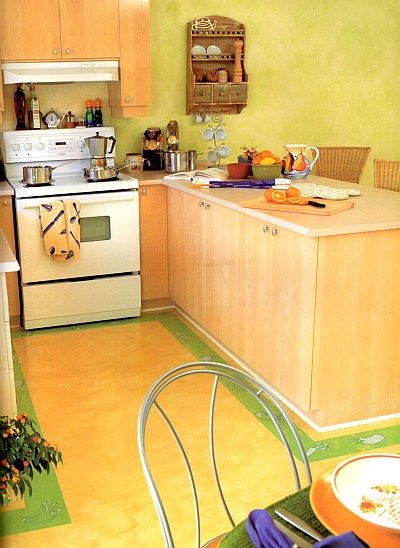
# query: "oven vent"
[[60, 71]]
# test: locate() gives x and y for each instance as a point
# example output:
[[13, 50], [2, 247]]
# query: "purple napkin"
[[263, 533]]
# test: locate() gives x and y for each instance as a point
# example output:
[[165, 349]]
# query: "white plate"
[[198, 50], [369, 486], [213, 50]]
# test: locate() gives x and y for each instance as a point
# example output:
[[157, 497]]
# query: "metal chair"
[[227, 382], [342, 163], [387, 174]]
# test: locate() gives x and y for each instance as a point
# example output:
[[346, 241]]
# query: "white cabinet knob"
[[67, 51], [274, 231], [265, 228], [127, 99], [55, 51], [5, 202], [144, 191]]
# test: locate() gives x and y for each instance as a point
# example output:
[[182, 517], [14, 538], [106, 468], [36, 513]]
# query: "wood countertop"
[[376, 209]]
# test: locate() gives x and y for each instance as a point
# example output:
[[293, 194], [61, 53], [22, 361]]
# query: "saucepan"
[[39, 175], [102, 173]]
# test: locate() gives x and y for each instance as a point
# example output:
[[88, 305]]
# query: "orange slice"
[[298, 200], [278, 196]]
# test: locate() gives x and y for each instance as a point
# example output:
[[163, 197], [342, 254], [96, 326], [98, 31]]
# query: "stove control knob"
[[40, 145], [28, 146], [15, 146]]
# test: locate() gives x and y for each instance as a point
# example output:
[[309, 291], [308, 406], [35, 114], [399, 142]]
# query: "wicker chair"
[[342, 163], [387, 174], [171, 396]]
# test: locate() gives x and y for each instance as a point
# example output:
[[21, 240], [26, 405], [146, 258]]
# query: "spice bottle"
[[222, 75], [89, 114]]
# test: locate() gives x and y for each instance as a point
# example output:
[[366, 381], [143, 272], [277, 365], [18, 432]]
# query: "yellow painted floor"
[[86, 388]]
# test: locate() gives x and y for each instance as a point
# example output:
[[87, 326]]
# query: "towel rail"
[[121, 198]]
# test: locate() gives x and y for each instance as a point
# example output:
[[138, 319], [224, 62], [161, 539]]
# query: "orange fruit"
[[266, 154], [278, 196], [268, 194], [256, 160], [292, 191], [277, 159]]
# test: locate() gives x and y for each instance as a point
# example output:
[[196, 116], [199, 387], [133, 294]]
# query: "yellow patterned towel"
[[61, 229]]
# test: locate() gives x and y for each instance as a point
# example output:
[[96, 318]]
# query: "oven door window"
[[95, 229]]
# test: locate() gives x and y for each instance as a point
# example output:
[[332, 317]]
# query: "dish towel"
[[264, 534], [60, 224]]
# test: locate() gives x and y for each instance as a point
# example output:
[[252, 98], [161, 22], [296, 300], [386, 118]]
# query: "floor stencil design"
[[46, 508]]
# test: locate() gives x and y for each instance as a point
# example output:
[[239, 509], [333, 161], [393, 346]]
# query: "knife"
[[316, 204], [299, 523], [294, 537]]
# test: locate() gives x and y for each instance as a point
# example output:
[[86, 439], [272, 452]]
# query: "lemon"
[[267, 162]]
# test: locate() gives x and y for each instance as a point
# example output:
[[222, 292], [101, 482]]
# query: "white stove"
[[101, 280], [54, 147]]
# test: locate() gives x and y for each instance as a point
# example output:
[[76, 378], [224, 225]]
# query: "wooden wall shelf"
[[224, 34]]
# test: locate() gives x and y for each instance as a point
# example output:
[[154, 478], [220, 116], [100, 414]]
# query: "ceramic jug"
[[297, 165]]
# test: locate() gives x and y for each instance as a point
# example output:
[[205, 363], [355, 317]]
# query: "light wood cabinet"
[[153, 241], [215, 43], [59, 29], [7, 226], [316, 317], [131, 95]]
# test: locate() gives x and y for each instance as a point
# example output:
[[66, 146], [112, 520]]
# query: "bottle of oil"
[[33, 109], [98, 116], [89, 114]]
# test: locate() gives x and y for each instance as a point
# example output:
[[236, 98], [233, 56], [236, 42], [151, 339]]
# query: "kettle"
[[98, 145]]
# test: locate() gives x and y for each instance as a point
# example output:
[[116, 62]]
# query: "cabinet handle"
[[202, 93], [274, 231], [127, 99], [55, 51], [144, 191], [207, 206], [201, 204], [265, 228], [5, 202], [67, 51]]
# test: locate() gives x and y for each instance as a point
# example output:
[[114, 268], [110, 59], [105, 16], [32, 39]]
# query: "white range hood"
[[60, 71]]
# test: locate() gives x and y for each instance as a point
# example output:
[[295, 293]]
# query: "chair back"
[[387, 174], [165, 411], [342, 163]]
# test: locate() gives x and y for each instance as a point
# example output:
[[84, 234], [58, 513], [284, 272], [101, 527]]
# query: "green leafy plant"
[[23, 451]]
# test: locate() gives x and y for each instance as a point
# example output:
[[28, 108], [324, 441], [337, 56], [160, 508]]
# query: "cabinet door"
[[89, 29], [132, 94], [153, 241], [7, 226], [186, 253], [278, 292], [30, 31]]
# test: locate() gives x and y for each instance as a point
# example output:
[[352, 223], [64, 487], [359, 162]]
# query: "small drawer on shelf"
[[239, 93], [221, 93], [203, 93]]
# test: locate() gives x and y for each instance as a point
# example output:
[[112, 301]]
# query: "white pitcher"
[[297, 165]]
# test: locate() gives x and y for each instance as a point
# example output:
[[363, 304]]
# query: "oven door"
[[109, 238]]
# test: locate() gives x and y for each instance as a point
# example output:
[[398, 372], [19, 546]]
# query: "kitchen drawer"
[[203, 93], [239, 93], [221, 93]]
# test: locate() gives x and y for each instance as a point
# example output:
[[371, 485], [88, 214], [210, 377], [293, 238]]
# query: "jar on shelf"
[[222, 75]]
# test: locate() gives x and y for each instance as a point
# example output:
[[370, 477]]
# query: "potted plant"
[[23, 451]]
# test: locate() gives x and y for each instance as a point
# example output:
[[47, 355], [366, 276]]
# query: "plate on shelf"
[[213, 50], [198, 50], [338, 519]]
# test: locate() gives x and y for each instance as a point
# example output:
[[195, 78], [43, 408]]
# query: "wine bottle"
[[20, 107]]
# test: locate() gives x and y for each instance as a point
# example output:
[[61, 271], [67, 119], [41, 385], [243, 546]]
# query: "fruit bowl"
[[267, 172], [369, 486], [239, 171]]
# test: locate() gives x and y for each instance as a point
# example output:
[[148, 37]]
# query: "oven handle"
[[33, 205]]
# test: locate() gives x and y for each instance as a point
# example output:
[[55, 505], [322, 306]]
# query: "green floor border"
[[47, 498]]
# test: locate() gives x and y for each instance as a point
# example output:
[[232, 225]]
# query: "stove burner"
[[26, 185], [94, 180]]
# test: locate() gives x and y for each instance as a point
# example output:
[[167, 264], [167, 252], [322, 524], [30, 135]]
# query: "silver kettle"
[[98, 145]]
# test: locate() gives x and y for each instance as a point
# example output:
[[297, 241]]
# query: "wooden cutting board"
[[331, 207]]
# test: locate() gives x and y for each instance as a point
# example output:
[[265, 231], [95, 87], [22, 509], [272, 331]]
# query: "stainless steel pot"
[[176, 160], [101, 173], [39, 175]]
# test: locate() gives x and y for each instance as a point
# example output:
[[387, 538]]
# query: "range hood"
[[60, 71]]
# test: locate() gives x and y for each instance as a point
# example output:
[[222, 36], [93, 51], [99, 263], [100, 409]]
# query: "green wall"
[[322, 72]]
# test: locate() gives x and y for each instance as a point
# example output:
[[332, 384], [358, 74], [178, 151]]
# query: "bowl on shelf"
[[369, 486], [239, 171], [266, 172]]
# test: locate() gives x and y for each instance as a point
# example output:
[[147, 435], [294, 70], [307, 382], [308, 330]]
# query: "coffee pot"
[[98, 145]]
